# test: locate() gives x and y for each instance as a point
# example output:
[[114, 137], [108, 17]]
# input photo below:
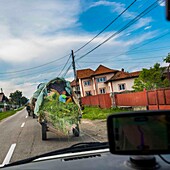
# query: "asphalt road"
[[20, 137]]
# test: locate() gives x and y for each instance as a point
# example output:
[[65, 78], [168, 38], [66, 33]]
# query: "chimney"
[[1, 90], [123, 70]]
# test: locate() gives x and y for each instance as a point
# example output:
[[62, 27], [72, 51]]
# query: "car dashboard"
[[96, 159]]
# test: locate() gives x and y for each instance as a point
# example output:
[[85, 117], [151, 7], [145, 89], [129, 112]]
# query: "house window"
[[121, 86], [88, 93], [101, 79], [102, 91], [87, 83]]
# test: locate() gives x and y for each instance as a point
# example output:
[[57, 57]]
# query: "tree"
[[151, 79], [16, 97], [24, 100], [167, 60]]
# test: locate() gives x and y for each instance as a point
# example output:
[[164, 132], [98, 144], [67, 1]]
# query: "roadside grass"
[[93, 113], [6, 114]]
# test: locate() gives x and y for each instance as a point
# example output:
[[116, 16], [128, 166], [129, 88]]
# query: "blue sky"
[[37, 33]]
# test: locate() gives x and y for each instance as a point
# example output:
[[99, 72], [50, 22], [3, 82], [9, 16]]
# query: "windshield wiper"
[[79, 147]]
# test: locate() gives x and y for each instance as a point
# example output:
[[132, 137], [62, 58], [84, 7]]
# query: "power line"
[[131, 50], [129, 59], [137, 9], [146, 11], [67, 71], [106, 26], [25, 75], [31, 68], [64, 65], [17, 71]]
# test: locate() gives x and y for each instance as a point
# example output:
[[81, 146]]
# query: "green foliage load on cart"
[[63, 116]]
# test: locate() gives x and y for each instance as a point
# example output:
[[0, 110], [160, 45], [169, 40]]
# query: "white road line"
[[26, 117], [9, 155], [23, 124]]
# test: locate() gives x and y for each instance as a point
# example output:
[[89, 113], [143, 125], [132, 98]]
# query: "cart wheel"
[[33, 115], [76, 131], [44, 131], [29, 113]]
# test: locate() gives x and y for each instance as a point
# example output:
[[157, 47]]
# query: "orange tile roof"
[[103, 70], [124, 75], [85, 73], [136, 73], [73, 83]]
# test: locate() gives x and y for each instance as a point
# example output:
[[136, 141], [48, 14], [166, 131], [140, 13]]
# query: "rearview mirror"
[[139, 133]]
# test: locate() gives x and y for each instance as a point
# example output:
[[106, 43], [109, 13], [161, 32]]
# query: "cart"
[[46, 126], [30, 107], [53, 122]]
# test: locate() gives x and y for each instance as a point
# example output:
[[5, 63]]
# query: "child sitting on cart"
[[63, 97]]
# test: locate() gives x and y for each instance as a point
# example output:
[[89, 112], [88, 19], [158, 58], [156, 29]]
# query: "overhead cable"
[[146, 11], [106, 27]]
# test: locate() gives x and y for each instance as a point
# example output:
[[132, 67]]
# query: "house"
[[104, 80], [76, 88], [122, 81], [93, 82], [3, 98]]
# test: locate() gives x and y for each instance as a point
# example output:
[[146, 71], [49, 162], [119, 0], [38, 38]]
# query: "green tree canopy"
[[17, 98], [152, 78], [167, 59], [24, 100]]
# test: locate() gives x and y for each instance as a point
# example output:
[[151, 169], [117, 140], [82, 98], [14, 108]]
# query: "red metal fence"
[[101, 100], [153, 100], [131, 99], [159, 99]]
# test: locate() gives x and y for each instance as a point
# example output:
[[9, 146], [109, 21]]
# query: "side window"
[[102, 91], [88, 93], [101, 79], [87, 83], [121, 87]]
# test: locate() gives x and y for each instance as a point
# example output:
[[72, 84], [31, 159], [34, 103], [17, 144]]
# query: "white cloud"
[[38, 17], [148, 27], [128, 34], [141, 23], [117, 7], [161, 3], [35, 33], [26, 88]]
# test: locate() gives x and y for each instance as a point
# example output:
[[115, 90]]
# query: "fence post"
[[112, 96], [157, 100], [147, 99], [98, 100], [164, 96]]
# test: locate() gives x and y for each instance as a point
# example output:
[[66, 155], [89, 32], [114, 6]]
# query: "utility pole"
[[73, 64], [74, 70], [75, 77]]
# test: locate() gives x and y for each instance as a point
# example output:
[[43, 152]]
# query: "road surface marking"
[[26, 117], [23, 124], [9, 155]]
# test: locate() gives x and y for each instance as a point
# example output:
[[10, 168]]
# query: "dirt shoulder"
[[95, 128]]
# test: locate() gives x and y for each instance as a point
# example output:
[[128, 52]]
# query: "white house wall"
[[102, 84], [88, 88], [95, 86], [128, 84], [81, 88]]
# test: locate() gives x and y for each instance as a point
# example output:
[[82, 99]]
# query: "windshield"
[[66, 65]]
